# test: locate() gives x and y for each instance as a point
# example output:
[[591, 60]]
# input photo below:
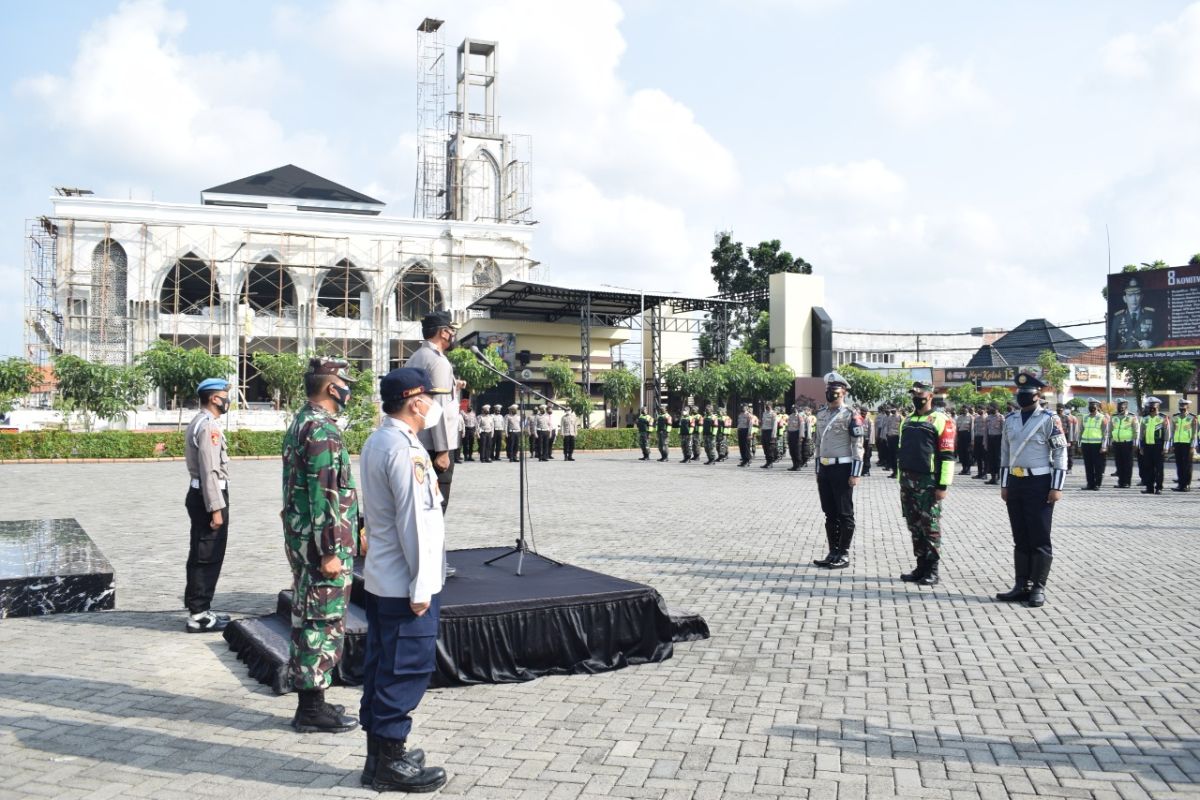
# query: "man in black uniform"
[[662, 426], [643, 428], [685, 434], [838, 437], [743, 434]]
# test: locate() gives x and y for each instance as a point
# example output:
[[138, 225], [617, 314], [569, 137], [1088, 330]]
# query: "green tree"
[[178, 371], [619, 386], [674, 378], [17, 379], [1054, 372], [966, 395], [708, 384], [283, 374], [560, 375], [362, 412], [468, 368], [1194, 261], [97, 391], [1159, 264], [1145, 377], [779, 382], [866, 386]]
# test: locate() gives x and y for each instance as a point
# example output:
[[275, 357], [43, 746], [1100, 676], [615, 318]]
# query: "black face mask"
[[1025, 399], [222, 404], [919, 403], [831, 395], [342, 395]]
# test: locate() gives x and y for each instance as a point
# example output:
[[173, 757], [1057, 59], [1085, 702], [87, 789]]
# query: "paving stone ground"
[[814, 684]]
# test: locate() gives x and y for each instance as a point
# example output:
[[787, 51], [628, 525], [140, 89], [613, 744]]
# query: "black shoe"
[[1086, 488], [314, 715], [827, 560], [992, 482], [664, 458], [793, 469], [979, 477], [930, 578], [841, 560], [917, 573], [1148, 490], [398, 772], [766, 465], [1039, 572], [644, 458], [206, 622], [371, 765], [742, 464], [710, 461]]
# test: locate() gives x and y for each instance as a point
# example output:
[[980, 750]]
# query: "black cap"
[[405, 382], [337, 367], [430, 323], [1027, 380], [921, 386]]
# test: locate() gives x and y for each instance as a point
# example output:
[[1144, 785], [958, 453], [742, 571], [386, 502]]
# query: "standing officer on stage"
[[1093, 437], [644, 421], [1124, 427], [1033, 466], [487, 429], [403, 581], [207, 506], [964, 427], [685, 434], [768, 436], [662, 426], [838, 438], [1184, 442], [570, 429], [439, 333], [1155, 433], [470, 425], [709, 432], [320, 534], [925, 462], [743, 434]]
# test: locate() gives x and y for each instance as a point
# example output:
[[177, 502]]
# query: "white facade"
[[236, 280], [898, 347]]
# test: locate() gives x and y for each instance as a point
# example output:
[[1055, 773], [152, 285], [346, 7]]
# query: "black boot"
[[930, 578], [372, 764], [845, 537], [1040, 570], [398, 772], [314, 715], [831, 537], [841, 560], [1020, 589], [917, 573]]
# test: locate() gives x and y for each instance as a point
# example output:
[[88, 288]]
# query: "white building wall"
[[898, 347]]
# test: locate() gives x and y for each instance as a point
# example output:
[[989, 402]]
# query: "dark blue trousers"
[[1029, 514], [401, 657]]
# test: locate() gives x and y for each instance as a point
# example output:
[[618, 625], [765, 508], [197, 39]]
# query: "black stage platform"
[[51, 566], [496, 627]]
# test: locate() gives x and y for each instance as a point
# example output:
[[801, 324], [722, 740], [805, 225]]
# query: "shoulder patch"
[[214, 436], [419, 470]]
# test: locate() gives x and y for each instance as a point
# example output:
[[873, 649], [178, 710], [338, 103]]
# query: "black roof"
[[517, 299], [1023, 344], [292, 181]]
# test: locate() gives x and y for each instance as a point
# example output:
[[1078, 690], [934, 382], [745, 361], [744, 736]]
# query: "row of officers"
[[495, 434]]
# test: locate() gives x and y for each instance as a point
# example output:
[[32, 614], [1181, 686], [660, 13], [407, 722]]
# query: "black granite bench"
[[51, 566]]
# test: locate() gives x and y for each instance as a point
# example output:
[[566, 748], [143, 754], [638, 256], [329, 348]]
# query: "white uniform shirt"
[[402, 504]]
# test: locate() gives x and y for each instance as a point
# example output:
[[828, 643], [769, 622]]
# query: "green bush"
[[617, 439]]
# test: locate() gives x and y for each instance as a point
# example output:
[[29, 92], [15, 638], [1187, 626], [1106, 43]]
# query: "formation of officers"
[[494, 434]]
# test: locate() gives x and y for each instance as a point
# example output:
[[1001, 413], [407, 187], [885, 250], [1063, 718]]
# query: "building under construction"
[[289, 261]]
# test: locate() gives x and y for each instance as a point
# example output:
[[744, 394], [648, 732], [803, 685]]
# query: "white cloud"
[[134, 97], [919, 90], [1167, 53], [854, 182]]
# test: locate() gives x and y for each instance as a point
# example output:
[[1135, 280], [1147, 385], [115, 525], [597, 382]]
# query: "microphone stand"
[[521, 548]]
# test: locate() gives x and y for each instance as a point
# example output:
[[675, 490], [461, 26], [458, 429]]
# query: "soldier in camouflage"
[[925, 463], [320, 530]]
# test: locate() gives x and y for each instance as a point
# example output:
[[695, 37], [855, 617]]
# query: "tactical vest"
[[1183, 427], [919, 442], [643, 423], [662, 423], [1122, 428], [1150, 428], [1093, 429]]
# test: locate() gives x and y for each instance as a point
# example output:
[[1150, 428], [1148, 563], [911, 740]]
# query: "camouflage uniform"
[[320, 517]]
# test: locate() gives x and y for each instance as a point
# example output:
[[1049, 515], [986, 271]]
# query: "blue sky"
[[943, 164]]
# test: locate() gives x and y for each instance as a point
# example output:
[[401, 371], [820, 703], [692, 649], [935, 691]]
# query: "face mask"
[[831, 395], [1025, 399], [432, 415], [918, 403], [342, 395], [222, 404]]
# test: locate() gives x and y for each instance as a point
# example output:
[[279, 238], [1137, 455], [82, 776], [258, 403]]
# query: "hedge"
[[156, 444]]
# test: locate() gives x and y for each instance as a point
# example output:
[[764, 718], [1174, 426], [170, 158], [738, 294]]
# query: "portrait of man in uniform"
[[1135, 326]]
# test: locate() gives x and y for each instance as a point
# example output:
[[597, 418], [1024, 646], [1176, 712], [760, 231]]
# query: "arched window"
[[481, 189], [188, 288], [417, 294], [110, 274], [269, 290], [486, 275], [344, 291]]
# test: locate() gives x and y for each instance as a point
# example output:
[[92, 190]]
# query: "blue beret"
[[212, 385]]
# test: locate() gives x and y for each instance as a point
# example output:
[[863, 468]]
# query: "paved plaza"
[[814, 684]]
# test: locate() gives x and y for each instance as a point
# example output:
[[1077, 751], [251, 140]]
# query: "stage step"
[[686, 626], [51, 566]]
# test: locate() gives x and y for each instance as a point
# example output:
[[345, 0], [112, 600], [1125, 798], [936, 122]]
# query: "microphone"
[[475, 349]]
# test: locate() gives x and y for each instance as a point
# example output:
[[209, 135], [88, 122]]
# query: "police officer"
[[1094, 436], [1184, 443], [487, 429], [644, 421], [994, 431], [569, 425], [724, 423], [781, 423], [512, 433], [964, 427], [708, 429], [470, 428], [1124, 433], [500, 440], [320, 526], [439, 333], [869, 439], [768, 436], [1133, 327], [743, 436], [838, 438], [403, 581], [685, 434], [979, 448], [207, 506], [1033, 466], [795, 433], [881, 438], [1155, 433], [662, 427], [697, 421], [893, 439], [543, 423], [926, 467]]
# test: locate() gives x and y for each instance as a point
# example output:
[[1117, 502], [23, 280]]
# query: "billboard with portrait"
[[1154, 314], [505, 343]]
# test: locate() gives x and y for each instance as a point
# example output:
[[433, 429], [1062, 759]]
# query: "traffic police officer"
[[979, 448], [644, 421], [1184, 442], [207, 506], [403, 580], [1033, 466], [500, 439], [795, 432], [1155, 433], [1124, 427], [662, 426], [320, 527], [926, 469], [994, 431], [838, 439], [1093, 438]]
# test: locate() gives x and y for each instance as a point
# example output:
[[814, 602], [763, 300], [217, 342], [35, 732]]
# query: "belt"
[[1026, 472], [825, 462], [195, 484]]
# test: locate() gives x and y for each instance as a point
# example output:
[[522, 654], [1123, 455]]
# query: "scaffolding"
[[43, 318], [430, 198]]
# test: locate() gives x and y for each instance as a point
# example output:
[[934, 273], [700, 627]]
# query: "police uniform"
[[404, 566], [643, 422], [1094, 436], [709, 432], [570, 429], [795, 432], [964, 428], [697, 421], [685, 434], [1133, 327], [487, 429], [993, 427], [1183, 440], [1155, 433], [1123, 434], [869, 440], [320, 519], [500, 440], [837, 437], [1033, 463], [743, 434], [443, 437], [662, 427], [512, 433], [207, 460], [926, 466], [470, 424], [542, 421], [768, 437], [979, 447]]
